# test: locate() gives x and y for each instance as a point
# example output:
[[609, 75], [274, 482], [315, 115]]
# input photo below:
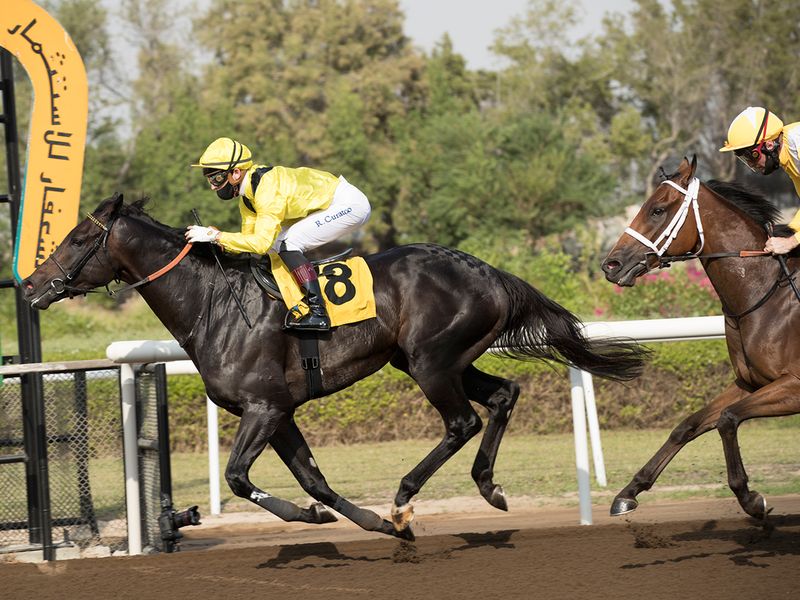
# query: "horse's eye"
[[657, 212], [76, 242]]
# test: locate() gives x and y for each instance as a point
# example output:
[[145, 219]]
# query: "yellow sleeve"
[[259, 229], [794, 224]]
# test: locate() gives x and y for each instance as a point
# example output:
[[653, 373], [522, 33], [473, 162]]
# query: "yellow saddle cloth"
[[346, 286]]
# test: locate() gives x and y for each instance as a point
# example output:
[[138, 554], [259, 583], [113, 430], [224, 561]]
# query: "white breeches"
[[348, 211]]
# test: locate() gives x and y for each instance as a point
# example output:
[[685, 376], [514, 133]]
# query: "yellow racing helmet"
[[225, 154], [752, 126]]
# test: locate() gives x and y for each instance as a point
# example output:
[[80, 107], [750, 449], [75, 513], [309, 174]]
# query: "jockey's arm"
[[259, 229]]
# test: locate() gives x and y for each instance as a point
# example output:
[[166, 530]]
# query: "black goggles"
[[216, 178], [751, 154]]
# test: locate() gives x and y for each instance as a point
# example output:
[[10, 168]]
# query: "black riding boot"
[[317, 317], [306, 277]]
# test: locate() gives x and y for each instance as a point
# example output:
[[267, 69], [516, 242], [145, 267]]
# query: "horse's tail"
[[538, 328]]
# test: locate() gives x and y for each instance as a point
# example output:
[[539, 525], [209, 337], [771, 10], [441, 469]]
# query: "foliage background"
[[530, 167]]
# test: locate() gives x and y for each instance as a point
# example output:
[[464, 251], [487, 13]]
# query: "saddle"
[[262, 272]]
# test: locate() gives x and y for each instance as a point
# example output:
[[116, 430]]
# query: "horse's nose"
[[610, 265]]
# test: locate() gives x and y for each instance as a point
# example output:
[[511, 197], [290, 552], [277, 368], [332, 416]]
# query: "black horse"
[[438, 310]]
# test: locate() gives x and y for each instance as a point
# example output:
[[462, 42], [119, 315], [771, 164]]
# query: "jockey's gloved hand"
[[197, 233]]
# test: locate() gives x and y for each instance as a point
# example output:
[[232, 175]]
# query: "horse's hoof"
[[406, 534], [402, 516], [623, 506], [756, 506], [321, 514], [497, 498]]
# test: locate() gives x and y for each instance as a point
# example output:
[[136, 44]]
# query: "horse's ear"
[[109, 207], [687, 169], [116, 202]]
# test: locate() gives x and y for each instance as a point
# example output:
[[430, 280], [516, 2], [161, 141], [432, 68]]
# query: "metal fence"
[[84, 463], [148, 453]]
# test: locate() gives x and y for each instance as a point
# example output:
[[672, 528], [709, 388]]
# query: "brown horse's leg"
[[289, 443], [498, 396], [256, 427], [461, 423], [778, 399], [691, 427]]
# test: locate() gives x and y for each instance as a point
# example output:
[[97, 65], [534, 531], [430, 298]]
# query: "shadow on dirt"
[[326, 555], [744, 541]]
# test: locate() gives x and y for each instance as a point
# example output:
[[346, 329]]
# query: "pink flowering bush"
[[683, 290]]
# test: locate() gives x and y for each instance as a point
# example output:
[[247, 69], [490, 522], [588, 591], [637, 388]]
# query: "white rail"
[[584, 411], [582, 388]]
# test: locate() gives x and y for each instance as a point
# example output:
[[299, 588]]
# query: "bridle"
[[672, 229], [59, 286], [670, 232], [62, 285]]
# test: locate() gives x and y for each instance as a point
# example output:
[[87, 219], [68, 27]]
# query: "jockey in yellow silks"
[[288, 210], [762, 142]]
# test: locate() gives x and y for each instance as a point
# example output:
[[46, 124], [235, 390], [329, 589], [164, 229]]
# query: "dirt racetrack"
[[703, 550]]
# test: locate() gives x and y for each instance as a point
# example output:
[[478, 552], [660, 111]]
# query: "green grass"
[[542, 467], [82, 328]]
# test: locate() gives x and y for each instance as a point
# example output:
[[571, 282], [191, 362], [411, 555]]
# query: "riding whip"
[[219, 264]]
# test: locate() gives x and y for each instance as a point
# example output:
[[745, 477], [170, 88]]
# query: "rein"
[[155, 275], [61, 285], [665, 261]]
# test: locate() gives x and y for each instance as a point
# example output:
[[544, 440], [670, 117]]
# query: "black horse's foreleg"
[[498, 396], [778, 399], [690, 428], [289, 443], [461, 424], [256, 427]]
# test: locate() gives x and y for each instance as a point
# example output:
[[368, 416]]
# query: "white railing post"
[[581, 447], [131, 458], [594, 429], [213, 458]]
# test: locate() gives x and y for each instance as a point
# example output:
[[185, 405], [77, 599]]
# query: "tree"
[[690, 68], [87, 23], [754, 49], [172, 121]]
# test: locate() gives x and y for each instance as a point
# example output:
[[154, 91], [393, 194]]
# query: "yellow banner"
[[54, 168]]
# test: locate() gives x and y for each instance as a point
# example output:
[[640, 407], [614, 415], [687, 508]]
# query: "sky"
[[472, 23]]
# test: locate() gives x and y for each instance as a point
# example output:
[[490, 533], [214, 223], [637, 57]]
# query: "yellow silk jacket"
[[283, 195], [789, 159]]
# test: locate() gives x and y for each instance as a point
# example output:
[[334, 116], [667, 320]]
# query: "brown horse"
[[758, 302]]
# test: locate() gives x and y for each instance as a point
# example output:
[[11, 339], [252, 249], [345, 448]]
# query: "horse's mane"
[[136, 209], [753, 204]]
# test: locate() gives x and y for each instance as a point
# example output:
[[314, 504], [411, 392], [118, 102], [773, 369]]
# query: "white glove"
[[196, 233]]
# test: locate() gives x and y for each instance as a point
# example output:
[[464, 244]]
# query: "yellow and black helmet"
[[224, 154], [751, 127]]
